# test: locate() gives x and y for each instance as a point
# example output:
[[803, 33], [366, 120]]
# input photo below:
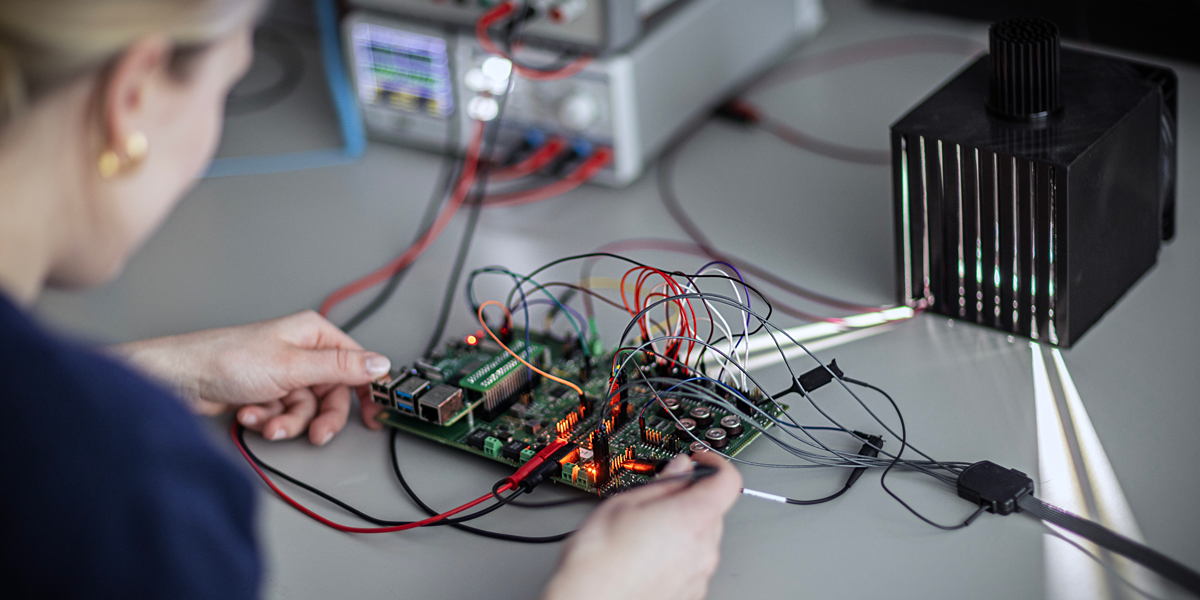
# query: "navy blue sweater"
[[110, 489]]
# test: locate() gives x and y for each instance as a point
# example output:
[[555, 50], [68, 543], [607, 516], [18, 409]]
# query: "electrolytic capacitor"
[[683, 428], [696, 447], [716, 437], [702, 415], [671, 406], [732, 425]]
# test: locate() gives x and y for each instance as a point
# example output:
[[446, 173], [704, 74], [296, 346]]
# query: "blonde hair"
[[44, 43]]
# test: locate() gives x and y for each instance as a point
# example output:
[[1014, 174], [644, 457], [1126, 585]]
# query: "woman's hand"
[[658, 541], [286, 375]]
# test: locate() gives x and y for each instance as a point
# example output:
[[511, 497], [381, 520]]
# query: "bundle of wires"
[[654, 360], [674, 321], [677, 323]]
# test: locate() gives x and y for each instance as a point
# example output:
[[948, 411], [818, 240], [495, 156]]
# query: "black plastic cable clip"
[[819, 376], [994, 487], [811, 380], [870, 449]]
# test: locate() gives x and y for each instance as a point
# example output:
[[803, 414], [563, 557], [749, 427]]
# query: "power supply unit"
[[668, 65]]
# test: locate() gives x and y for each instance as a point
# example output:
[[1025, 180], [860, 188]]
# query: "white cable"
[[764, 495], [728, 331], [728, 334]]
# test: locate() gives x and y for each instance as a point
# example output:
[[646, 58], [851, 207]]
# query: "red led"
[[472, 340]]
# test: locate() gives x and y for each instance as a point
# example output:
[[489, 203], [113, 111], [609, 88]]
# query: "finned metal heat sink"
[[1035, 187]]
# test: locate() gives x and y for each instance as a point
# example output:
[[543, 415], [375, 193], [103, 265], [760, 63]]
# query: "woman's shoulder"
[[111, 467], [77, 410], [50, 377]]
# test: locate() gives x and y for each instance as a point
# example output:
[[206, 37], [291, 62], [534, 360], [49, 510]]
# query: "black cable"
[[431, 210], [896, 459], [551, 503], [548, 504], [1160, 563], [475, 530], [896, 408], [870, 449], [832, 496], [586, 274], [460, 260], [512, 31], [563, 299], [393, 282], [476, 202], [502, 501], [447, 173]]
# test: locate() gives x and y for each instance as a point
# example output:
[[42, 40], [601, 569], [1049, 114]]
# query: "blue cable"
[[354, 137], [570, 315], [573, 312]]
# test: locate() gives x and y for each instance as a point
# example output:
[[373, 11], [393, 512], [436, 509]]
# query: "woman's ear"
[[129, 87]]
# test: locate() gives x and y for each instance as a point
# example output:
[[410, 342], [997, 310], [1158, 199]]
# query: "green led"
[[491, 446]]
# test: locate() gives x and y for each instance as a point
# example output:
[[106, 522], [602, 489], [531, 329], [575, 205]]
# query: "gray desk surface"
[[243, 249]]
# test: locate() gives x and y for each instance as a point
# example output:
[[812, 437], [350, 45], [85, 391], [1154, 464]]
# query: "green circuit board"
[[529, 412]]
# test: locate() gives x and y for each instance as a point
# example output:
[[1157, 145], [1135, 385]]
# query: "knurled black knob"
[[1024, 81]]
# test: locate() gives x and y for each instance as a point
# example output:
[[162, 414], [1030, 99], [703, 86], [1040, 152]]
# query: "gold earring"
[[109, 164], [136, 148]]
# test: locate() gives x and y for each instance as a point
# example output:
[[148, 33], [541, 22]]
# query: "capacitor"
[[684, 428], [696, 447], [716, 437], [670, 405], [732, 425], [702, 415]]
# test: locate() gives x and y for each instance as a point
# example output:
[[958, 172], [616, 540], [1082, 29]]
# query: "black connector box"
[[994, 487]]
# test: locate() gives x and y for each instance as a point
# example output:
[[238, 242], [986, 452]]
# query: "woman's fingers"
[[674, 482], [299, 407], [714, 495], [255, 416], [331, 416], [369, 408], [322, 410]]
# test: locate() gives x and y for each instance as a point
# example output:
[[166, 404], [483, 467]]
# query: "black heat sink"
[[1035, 226]]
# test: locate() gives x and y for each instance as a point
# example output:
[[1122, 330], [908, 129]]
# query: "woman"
[[109, 111]]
